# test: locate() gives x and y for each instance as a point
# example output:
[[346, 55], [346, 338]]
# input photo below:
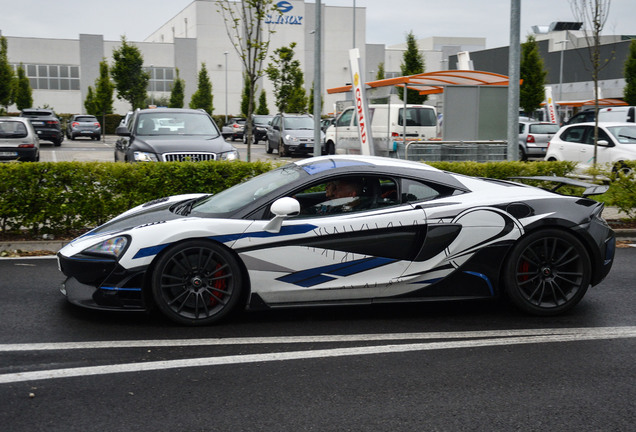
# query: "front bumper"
[[101, 283]]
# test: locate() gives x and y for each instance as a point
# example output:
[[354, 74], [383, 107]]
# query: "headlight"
[[145, 157], [114, 247], [291, 138], [231, 155]]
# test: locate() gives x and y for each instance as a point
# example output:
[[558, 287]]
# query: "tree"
[[22, 95], [380, 75], [103, 91], [245, 99], [202, 98], [6, 75], [630, 75], [250, 36], [89, 102], [131, 81], [262, 104], [593, 14], [177, 94], [412, 64], [531, 71], [288, 80]]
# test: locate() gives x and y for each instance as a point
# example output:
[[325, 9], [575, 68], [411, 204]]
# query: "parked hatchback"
[[45, 123], [171, 135], [616, 143], [260, 125], [18, 140], [534, 137], [83, 125]]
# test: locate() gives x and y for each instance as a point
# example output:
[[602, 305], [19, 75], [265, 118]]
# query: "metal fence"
[[456, 151]]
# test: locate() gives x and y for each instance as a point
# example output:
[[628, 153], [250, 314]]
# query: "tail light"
[[395, 134], [52, 122], [236, 126], [530, 139], [96, 124], [74, 124], [548, 146]]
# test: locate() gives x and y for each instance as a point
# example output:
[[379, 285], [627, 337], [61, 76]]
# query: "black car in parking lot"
[[260, 124], [46, 124], [171, 135]]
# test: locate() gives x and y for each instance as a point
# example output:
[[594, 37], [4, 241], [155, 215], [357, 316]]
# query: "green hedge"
[[63, 198]]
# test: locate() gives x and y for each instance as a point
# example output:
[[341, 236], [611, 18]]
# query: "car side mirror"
[[122, 131], [604, 143], [282, 208]]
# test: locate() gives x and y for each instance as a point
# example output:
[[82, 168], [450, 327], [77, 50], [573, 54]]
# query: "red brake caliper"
[[218, 284]]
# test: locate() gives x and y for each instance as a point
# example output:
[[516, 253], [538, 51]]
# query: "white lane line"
[[302, 355], [627, 331]]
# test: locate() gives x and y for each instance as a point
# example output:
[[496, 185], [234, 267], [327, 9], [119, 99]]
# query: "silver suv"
[[292, 133]]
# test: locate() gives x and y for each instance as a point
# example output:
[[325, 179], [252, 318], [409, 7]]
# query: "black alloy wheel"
[[547, 273], [197, 282]]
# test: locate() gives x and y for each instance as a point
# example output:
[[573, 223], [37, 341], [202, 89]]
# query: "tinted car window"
[[12, 129], [544, 128], [574, 134]]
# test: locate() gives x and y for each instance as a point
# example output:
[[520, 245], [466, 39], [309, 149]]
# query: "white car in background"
[[616, 143]]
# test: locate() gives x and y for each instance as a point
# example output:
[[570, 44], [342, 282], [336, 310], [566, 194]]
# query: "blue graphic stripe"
[[225, 238], [328, 164], [318, 275], [119, 289], [485, 278]]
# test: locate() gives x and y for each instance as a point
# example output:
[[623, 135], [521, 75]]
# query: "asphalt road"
[[476, 366]]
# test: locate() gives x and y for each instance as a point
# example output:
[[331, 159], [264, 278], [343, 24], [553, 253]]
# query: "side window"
[[574, 134], [521, 127], [413, 190], [345, 118], [345, 194], [601, 136]]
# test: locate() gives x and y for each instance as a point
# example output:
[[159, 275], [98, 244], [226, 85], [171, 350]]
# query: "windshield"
[[299, 123], [262, 120], [244, 193], [175, 123], [624, 134], [12, 129]]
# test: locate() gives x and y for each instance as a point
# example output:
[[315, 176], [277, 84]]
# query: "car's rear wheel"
[[547, 272], [269, 149], [522, 154], [196, 283]]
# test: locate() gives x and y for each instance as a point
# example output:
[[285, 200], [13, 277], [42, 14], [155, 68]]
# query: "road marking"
[[476, 339]]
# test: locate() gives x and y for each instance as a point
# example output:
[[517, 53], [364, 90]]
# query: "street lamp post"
[[152, 85], [564, 44], [225, 54]]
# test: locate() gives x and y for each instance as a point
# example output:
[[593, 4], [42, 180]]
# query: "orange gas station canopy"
[[434, 82]]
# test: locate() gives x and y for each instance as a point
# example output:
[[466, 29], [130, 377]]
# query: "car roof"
[[603, 124], [352, 160]]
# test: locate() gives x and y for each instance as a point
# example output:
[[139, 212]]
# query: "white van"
[[619, 114], [387, 128]]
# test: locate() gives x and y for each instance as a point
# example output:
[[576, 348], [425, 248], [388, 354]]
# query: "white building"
[[61, 70]]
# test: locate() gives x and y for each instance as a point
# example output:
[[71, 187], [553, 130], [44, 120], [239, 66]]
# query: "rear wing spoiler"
[[590, 188]]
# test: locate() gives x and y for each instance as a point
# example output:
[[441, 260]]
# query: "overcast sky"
[[388, 21]]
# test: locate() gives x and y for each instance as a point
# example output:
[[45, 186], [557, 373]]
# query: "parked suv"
[[233, 128], [83, 125], [260, 124], [534, 137], [171, 135], [616, 143], [46, 124], [292, 133]]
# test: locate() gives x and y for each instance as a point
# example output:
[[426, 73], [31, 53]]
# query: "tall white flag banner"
[[360, 100], [552, 114]]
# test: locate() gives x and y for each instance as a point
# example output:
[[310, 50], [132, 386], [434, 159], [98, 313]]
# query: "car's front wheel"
[[547, 272], [281, 149], [196, 283]]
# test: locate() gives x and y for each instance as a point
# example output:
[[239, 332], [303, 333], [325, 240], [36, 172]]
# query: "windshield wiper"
[[627, 136]]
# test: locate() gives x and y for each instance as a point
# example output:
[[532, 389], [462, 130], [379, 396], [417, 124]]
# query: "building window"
[[51, 77], [161, 78]]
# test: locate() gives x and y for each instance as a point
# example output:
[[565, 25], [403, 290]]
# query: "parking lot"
[[85, 150]]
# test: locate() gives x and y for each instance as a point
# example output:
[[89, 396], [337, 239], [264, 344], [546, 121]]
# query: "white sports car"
[[343, 230]]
